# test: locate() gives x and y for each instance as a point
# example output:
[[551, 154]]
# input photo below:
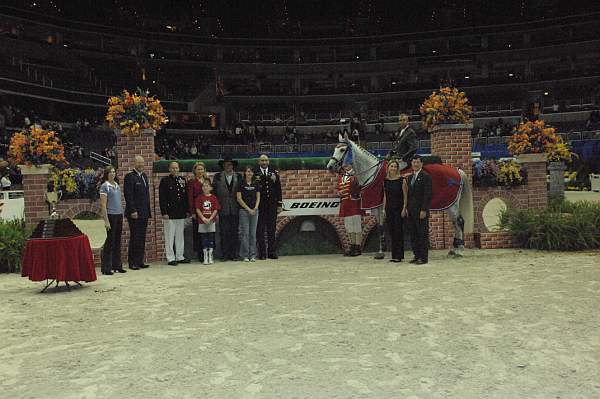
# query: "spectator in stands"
[[5, 181], [248, 197], [270, 206], [194, 190], [112, 213], [137, 211], [173, 208], [194, 150], [225, 184], [15, 176]]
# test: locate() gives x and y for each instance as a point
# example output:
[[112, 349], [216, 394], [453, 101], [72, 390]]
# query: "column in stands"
[[453, 144], [127, 147]]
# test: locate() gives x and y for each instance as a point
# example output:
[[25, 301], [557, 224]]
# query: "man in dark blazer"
[[405, 143], [137, 211], [270, 206], [225, 184], [419, 200]]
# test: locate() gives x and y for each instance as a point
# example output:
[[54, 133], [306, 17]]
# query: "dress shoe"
[[172, 263], [183, 261], [414, 260], [134, 268], [144, 266], [120, 270], [273, 256], [108, 273], [421, 262], [262, 257], [396, 260]]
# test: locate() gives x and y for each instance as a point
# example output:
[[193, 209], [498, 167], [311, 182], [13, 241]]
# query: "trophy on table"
[[52, 198]]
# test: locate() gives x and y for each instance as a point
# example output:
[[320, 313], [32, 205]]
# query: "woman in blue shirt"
[[112, 213]]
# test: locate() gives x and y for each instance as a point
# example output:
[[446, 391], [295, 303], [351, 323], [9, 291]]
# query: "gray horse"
[[368, 168]]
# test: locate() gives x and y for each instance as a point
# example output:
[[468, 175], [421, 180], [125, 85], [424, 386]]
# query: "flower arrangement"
[[448, 106], [534, 137], [485, 172], [36, 146], [492, 173], [76, 183], [510, 173], [132, 112]]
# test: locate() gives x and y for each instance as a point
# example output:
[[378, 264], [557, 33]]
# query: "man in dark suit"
[[270, 206], [419, 200], [225, 184], [137, 211], [405, 143]]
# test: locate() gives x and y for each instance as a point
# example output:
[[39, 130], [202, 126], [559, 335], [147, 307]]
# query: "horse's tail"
[[466, 202]]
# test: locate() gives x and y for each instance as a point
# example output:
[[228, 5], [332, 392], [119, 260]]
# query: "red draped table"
[[59, 259]]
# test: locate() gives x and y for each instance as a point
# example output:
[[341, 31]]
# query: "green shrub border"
[[563, 226]]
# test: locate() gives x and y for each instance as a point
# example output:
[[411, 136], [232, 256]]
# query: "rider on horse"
[[405, 143]]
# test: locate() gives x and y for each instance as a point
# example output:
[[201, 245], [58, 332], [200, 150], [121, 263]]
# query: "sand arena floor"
[[497, 324]]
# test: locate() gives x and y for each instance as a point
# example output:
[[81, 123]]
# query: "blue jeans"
[[248, 234]]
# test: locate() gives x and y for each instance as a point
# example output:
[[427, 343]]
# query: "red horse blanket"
[[445, 180]]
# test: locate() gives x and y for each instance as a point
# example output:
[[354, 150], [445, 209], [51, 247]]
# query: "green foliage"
[[13, 236], [564, 225], [87, 215]]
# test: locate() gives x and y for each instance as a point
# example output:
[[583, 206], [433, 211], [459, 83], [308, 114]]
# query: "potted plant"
[[448, 106], [130, 114], [535, 141], [510, 174], [36, 149]]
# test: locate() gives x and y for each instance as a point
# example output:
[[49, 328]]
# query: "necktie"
[[412, 182]]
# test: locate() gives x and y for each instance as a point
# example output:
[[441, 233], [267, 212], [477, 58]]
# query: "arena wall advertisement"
[[310, 206]]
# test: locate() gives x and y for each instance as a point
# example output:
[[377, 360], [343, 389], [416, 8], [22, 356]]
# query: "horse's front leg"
[[378, 213]]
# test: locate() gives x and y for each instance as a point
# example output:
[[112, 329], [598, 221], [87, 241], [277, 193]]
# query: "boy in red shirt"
[[207, 206]]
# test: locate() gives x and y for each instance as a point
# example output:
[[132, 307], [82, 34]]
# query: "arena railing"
[[373, 146]]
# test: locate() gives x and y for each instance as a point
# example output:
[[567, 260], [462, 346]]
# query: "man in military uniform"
[[172, 196], [405, 143], [270, 206]]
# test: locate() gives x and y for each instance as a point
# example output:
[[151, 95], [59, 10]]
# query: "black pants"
[[267, 221], [419, 236], [395, 225], [111, 251], [229, 232], [137, 241]]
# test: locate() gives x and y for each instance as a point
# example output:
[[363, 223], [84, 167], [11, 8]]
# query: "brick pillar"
[[127, 148], [537, 188], [35, 183], [453, 144]]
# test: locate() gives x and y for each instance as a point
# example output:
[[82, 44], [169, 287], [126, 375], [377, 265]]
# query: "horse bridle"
[[340, 162]]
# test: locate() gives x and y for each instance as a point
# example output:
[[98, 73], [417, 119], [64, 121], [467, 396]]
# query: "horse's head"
[[340, 153]]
